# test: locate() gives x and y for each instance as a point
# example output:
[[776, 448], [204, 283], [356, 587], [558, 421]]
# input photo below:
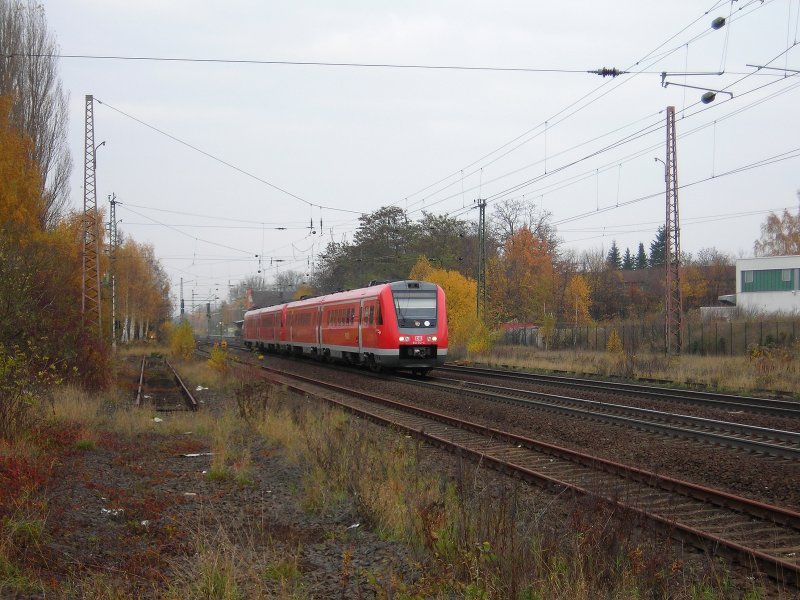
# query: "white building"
[[768, 284]]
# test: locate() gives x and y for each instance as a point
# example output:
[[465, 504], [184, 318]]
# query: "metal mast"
[[112, 255], [481, 291], [672, 254], [90, 306]]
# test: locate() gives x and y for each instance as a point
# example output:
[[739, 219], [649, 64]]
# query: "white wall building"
[[768, 284]]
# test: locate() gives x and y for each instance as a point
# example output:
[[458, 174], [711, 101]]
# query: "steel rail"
[[504, 451], [598, 411], [141, 383], [190, 400], [784, 408]]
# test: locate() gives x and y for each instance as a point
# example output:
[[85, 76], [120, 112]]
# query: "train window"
[[352, 316], [415, 308], [378, 316]]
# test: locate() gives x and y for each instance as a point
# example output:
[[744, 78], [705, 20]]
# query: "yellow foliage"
[[522, 279], [303, 290], [181, 342], [577, 300], [219, 358], [21, 203], [464, 327], [614, 344], [422, 270]]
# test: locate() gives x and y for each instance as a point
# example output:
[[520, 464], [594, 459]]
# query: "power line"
[[603, 72], [224, 162]]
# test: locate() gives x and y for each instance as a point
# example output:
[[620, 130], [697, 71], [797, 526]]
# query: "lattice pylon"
[[481, 287], [91, 310], [672, 258]]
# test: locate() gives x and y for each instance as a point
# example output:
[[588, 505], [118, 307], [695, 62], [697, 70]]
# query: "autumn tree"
[[142, 289], [513, 214], [29, 75], [577, 300], [780, 235], [40, 274], [719, 273], [608, 297], [522, 279], [20, 197]]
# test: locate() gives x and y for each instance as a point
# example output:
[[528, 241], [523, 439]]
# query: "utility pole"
[[672, 254], [182, 311], [112, 254], [91, 310], [481, 290]]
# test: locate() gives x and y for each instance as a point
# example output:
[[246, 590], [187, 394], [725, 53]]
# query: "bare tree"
[[510, 215], [29, 73], [288, 280]]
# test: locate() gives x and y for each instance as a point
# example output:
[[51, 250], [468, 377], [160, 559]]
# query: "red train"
[[399, 325]]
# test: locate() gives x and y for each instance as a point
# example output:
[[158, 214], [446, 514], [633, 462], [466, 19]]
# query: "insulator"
[[708, 97], [718, 23]]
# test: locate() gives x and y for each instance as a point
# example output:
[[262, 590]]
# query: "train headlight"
[[432, 338], [405, 338]]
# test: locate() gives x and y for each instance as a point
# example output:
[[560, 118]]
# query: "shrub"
[[181, 343], [25, 376], [219, 359], [614, 344]]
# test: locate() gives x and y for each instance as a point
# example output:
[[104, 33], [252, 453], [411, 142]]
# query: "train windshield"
[[415, 308]]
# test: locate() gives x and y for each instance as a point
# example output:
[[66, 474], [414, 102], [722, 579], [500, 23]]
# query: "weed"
[[218, 473], [284, 570], [24, 532], [85, 445], [219, 360], [13, 581]]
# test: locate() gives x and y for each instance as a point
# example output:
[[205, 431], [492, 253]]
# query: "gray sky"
[[354, 139]]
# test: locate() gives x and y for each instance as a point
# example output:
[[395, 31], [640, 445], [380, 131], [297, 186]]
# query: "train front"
[[421, 320]]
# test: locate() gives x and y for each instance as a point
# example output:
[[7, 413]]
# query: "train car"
[[264, 328], [399, 325]]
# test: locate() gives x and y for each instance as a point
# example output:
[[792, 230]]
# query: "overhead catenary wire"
[[545, 123], [223, 162]]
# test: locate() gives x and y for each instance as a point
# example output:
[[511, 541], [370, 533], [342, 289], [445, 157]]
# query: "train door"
[[360, 314], [368, 337], [318, 327]]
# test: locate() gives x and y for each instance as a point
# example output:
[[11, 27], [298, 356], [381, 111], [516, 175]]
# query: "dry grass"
[[732, 374], [486, 541]]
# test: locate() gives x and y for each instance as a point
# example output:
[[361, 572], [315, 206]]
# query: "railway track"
[[749, 438], [772, 442], [161, 386], [729, 402], [745, 530]]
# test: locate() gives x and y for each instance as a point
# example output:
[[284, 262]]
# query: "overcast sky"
[[338, 141]]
